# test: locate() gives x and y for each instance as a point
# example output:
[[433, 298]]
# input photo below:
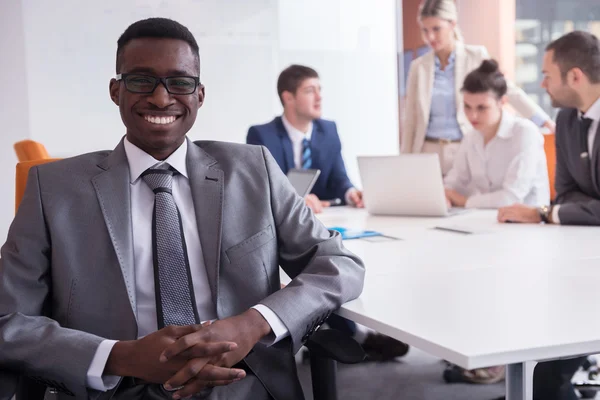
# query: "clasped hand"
[[194, 357]]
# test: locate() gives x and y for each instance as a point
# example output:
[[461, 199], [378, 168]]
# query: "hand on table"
[[356, 198], [455, 199], [315, 204], [519, 213]]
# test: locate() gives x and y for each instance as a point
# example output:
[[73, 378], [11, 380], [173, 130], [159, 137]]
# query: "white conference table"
[[506, 294]]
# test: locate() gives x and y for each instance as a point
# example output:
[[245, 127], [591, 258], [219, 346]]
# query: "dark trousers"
[[131, 389], [248, 388], [552, 379], [342, 324]]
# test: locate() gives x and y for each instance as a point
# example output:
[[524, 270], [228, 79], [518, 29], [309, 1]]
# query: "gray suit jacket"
[[577, 179], [67, 269]]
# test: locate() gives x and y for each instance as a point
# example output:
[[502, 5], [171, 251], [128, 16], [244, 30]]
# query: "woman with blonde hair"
[[435, 121]]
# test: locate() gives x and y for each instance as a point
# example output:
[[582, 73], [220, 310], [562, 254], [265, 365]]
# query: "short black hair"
[[292, 77], [577, 49], [162, 28], [486, 78]]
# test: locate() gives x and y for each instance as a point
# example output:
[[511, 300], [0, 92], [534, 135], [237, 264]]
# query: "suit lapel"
[[207, 184], [112, 190], [595, 154], [286, 144], [460, 71], [317, 147]]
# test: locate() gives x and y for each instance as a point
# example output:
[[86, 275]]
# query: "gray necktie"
[[175, 302]]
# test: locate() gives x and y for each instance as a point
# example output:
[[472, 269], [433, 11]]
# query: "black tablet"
[[303, 180]]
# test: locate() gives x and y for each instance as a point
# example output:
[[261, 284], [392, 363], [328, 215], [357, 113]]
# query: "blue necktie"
[[306, 154], [175, 302]]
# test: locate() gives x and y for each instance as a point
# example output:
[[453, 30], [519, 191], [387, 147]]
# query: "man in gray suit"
[[572, 79], [115, 258]]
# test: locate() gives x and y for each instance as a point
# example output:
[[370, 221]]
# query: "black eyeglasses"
[[146, 84]]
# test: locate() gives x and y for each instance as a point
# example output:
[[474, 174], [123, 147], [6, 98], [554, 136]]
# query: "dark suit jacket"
[[326, 154], [577, 179], [67, 269]]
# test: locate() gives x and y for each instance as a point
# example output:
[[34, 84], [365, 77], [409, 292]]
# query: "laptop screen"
[[303, 180]]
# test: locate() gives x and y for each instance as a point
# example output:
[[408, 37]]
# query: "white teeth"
[[160, 120]]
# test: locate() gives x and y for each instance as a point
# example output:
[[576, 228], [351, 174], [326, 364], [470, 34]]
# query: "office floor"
[[418, 376]]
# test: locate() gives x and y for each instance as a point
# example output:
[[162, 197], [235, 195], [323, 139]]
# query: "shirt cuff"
[[555, 218], [278, 329], [95, 378], [538, 119], [471, 202]]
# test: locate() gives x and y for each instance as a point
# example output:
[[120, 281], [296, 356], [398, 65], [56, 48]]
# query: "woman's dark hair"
[[487, 77]]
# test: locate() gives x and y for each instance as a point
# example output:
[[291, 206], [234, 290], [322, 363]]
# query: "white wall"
[[64, 52], [71, 55], [352, 44], [13, 107]]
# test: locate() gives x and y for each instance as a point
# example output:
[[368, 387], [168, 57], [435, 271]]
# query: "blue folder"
[[354, 234]]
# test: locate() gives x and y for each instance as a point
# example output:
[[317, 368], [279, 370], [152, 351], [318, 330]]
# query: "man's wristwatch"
[[545, 213]]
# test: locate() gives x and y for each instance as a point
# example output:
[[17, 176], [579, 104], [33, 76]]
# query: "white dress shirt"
[[510, 168], [592, 113], [142, 205], [297, 136]]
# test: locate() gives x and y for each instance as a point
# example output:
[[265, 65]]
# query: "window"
[[538, 23]]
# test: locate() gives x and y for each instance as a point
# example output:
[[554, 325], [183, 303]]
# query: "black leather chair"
[[326, 348], [590, 387]]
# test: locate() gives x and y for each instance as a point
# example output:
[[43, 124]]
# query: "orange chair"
[[21, 177], [550, 149], [28, 150]]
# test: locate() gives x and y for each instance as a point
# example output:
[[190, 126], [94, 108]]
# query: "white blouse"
[[510, 168]]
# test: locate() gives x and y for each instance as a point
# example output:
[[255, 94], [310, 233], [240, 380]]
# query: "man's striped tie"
[[306, 154]]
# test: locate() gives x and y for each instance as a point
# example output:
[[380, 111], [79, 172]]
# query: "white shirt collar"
[[593, 112], [139, 160], [505, 129], [295, 134]]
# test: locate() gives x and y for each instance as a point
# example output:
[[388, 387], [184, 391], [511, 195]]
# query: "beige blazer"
[[418, 95]]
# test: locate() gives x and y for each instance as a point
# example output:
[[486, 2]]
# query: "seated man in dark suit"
[[301, 139], [572, 79]]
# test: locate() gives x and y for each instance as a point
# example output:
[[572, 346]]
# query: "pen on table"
[[334, 202], [455, 230]]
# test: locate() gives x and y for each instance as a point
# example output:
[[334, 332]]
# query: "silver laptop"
[[408, 184]]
